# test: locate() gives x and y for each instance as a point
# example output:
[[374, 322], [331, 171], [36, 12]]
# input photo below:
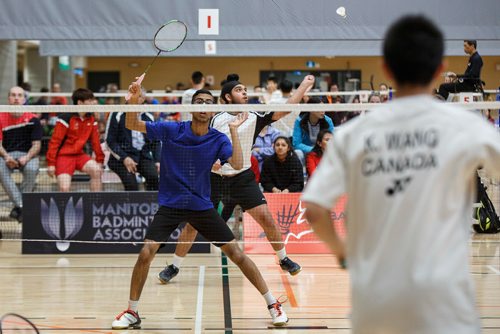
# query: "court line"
[[493, 269], [289, 290], [199, 300], [228, 322]]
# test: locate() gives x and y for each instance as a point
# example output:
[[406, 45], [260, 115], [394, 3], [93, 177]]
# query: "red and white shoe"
[[127, 319], [278, 314]]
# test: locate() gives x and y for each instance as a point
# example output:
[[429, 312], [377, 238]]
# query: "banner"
[[105, 216], [298, 236]]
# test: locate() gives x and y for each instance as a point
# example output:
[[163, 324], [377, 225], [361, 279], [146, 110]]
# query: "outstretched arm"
[[297, 96], [132, 121], [236, 160]]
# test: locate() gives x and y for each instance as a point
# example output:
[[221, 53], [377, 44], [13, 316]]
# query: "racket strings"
[[170, 36]]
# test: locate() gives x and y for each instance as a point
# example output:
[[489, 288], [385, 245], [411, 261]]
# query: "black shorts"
[[208, 223], [241, 189]]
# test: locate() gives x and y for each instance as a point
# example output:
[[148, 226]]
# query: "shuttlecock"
[[341, 12]]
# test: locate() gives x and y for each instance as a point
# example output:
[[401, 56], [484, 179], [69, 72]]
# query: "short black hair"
[[82, 94], [286, 86], [201, 91], [232, 80], [413, 50], [472, 42], [314, 100], [197, 77]]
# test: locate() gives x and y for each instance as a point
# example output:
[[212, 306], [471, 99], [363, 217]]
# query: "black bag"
[[484, 212]]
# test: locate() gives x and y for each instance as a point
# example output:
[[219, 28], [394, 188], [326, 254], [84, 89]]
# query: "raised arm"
[[132, 121], [297, 96], [236, 160]]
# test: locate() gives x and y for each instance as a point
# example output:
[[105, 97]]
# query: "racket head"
[[170, 36], [12, 323]]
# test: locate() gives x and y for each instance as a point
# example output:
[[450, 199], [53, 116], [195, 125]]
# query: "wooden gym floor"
[[83, 293]]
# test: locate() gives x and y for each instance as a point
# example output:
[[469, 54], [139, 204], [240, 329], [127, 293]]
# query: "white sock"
[[133, 305], [281, 253], [177, 261], [268, 296]]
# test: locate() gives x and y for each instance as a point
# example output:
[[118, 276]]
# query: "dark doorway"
[[97, 81], [345, 79]]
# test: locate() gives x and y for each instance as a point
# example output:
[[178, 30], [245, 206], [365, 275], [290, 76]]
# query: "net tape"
[[180, 93], [185, 108]]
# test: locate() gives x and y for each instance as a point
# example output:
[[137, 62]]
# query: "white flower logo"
[[72, 223]]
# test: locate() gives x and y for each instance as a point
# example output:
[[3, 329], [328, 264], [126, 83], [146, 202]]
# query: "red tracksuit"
[[70, 135]]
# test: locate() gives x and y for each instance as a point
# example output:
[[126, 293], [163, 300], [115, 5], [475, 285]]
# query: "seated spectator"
[[132, 152], [313, 158], [334, 98], [58, 100], [112, 88], [282, 172], [170, 116], [44, 117], [256, 99], [383, 92], [272, 91], [42, 100], [20, 142], [27, 89], [374, 98], [307, 127], [65, 152], [150, 99], [170, 99], [263, 146]]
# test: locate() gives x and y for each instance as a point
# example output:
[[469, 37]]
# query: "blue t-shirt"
[[186, 161]]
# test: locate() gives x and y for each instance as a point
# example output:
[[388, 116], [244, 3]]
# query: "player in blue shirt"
[[189, 150]]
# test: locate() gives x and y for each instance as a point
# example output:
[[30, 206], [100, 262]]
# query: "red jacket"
[[70, 135], [312, 161]]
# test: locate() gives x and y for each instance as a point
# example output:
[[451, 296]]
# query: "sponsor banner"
[[288, 213], [105, 216]]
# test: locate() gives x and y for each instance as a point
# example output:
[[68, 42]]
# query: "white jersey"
[[247, 132], [408, 169], [187, 96]]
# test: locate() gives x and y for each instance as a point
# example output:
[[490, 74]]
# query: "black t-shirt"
[[18, 133]]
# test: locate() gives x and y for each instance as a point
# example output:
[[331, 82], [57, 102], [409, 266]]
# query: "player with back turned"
[[408, 169]]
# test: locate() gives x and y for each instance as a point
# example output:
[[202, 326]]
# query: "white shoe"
[[127, 319], [278, 314]]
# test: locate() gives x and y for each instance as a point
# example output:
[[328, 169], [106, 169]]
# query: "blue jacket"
[[301, 140], [119, 140]]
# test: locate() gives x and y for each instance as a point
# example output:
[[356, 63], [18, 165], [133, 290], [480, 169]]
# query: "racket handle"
[[138, 81]]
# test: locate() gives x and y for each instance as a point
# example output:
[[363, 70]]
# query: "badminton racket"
[[168, 38], [12, 323]]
